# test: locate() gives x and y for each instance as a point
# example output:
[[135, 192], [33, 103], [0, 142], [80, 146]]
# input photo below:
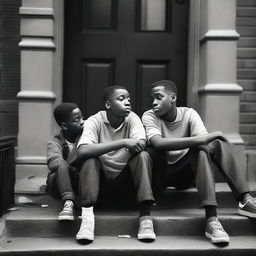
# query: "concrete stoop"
[[32, 228], [112, 246]]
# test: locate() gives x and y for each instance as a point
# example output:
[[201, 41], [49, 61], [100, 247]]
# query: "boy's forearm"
[[186, 142], [176, 144], [181, 143], [55, 162], [95, 150]]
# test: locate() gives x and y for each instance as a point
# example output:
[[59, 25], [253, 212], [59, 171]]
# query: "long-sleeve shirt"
[[57, 152]]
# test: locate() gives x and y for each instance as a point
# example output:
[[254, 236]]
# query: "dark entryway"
[[126, 42]]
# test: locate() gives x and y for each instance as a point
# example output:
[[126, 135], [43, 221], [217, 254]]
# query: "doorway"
[[130, 43]]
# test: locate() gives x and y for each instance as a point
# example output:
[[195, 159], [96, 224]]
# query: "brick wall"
[[246, 69], [9, 66]]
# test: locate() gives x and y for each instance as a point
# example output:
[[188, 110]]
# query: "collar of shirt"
[[177, 119], [106, 121]]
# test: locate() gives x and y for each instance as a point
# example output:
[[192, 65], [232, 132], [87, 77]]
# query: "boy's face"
[[119, 103], [162, 100], [75, 122]]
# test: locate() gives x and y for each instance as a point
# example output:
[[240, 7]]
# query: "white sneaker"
[[215, 231], [67, 211], [146, 229], [86, 231]]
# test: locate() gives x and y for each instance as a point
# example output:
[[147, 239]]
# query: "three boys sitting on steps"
[[112, 153]]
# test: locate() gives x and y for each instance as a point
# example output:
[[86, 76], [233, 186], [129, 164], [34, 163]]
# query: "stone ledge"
[[36, 95], [220, 34], [35, 11]]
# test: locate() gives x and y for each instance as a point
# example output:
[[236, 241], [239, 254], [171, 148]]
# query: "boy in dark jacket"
[[63, 179]]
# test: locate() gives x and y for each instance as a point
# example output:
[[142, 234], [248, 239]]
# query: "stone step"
[[42, 222], [107, 245], [170, 198]]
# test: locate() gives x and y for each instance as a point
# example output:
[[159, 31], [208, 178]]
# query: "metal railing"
[[7, 172]]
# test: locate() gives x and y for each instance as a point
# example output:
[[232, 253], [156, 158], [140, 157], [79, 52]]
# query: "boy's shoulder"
[[58, 138], [181, 112], [132, 115], [97, 117], [185, 110], [149, 112]]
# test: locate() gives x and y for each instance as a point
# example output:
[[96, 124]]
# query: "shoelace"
[[86, 224], [146, 224], [68, 206], [251, 200], [216, 225]]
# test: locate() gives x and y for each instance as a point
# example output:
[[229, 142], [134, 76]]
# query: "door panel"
[[111, 42]]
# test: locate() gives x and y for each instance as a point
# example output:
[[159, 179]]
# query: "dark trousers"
[[137, 172], [197, 168], [66, 183]]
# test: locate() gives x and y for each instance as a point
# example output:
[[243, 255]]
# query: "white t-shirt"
[[97, 129], [187, 124], [70, 145]]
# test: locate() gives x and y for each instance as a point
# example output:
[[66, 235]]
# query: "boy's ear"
[[63, 126], [174, 97], [107, 104]]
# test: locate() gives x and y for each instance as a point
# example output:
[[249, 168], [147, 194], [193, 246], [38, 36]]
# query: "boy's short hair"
[[62, 112], [168, 85], [108, 91]]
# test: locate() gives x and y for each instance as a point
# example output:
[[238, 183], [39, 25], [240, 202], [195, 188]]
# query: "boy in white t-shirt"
[[183, 153], [112, 148]]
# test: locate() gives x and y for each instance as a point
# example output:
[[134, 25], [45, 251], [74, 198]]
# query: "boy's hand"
[[134, 145], [212, 136], [217, 135]]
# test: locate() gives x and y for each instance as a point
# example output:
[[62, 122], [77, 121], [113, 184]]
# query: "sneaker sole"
[[70, 218], [247, 214], [89, 238], [146, 237], [217, 240]]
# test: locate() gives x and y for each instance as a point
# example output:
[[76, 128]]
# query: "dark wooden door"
[[126, 42]]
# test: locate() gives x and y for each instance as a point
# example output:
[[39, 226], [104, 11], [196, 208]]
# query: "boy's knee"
[[63, 168], [90, 162], [220, 142], [142, 156]]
